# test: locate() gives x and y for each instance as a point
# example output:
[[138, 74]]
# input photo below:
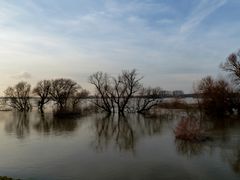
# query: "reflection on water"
[[233, 158], [225, 136], [19, 125], [124, 131], [117, 129], [44, 124], [95, 141], [189, 149], [47, 123]]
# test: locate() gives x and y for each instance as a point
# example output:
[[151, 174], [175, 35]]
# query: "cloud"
[[203, 10], [22, 75], [65, 39]]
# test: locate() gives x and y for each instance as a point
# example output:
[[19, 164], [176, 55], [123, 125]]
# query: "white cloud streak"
[[202, 11]]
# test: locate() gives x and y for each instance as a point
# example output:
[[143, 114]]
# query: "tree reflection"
[[124, 131], [19, 124], [116, 129], [43, 124], [151, 125], [189, 149], [125, 138], [47, 123], [235, 160], [232, 156]]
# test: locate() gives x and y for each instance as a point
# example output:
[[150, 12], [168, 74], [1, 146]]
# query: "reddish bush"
[[189, 129]]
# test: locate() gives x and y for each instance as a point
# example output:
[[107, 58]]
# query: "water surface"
[[35, 146]]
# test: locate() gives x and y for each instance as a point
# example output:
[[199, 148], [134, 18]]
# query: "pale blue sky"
[[171, 42]]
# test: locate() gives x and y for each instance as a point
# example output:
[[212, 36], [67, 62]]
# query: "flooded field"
[[35, 146]]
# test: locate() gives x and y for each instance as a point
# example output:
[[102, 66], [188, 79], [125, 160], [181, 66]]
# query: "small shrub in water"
[[189, 129]]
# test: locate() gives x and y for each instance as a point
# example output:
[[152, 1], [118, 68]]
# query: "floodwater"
[[35, 146]]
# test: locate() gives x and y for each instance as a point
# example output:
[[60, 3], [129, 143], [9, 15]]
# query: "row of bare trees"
[[65, 93], [123, 93]]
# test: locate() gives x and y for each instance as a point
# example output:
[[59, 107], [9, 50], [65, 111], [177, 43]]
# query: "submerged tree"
[[66, 93], [17, 96], [114, 92], [125, 87], [103, 96], [43, 91], [62, 90]]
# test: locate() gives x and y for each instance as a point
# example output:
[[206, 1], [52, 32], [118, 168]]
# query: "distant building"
[[166, 93], [178, 93]]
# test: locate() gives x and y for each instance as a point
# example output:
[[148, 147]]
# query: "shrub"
[[189, 129]]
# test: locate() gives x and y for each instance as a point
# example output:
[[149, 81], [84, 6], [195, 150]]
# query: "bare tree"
[[77, 98], [147, 99], [17, 97], [61, 92], [232, 65], [125, 87], [42, 89], [103, 96], [111, 92]]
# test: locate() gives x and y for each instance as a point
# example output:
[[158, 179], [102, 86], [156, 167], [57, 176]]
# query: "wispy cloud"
[[22, 75], [203, 10], [58, 39], [137, 7]]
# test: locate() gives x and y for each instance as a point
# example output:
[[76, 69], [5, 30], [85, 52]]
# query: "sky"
[[172, 43]]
